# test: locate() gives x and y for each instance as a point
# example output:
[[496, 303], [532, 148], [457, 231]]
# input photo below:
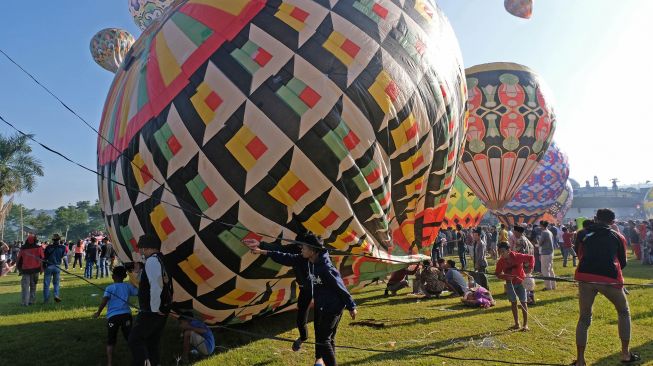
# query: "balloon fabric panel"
[[648, 204], [345, 118], [510, 126], [538, 195], [146, 12], [463, 207]]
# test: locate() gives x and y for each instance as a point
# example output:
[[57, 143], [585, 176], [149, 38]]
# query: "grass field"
[[417, 331]]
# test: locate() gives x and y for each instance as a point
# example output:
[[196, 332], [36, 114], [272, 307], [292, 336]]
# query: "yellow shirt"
[[503, 236]]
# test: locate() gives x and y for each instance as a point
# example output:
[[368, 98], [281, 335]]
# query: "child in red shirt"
[[510, 267]]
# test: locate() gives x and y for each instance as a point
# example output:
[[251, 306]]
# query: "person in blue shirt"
[[329, 291], [119, 315], [196, 335]]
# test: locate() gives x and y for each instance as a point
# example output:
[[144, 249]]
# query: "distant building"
[[626, 202]]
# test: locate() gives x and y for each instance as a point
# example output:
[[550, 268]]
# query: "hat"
[[149, 241], [519, 229], [105, 238], [314, 241], [56, 237], [478, 230]]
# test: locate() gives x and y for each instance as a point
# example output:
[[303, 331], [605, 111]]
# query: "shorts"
[[199, 343], [515, 292], [115, 323]]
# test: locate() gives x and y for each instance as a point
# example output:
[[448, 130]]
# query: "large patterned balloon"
[[648, 204], [145, 12], [562, 204], [463, 207], [539, 193], [510, 126], [519, 8], [110, 46], [345, 118]]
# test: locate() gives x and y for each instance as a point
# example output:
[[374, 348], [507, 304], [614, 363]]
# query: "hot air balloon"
[[647, 205], [109, 47], [246, 119], [463, 207], [510, 126], [556, 213], [519, 8], [539, 193], [145, 12]]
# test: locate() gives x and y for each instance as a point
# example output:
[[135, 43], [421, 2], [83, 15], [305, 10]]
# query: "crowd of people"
[[597, 248]]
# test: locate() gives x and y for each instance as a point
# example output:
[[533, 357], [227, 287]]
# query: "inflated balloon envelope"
[[110, 46], [510, 126], [539, 194], [345, 118]]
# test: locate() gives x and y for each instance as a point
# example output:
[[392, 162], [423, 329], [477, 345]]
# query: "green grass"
[[65, 333]]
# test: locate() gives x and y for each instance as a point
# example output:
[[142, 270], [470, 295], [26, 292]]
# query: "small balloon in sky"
[[147, 11], [519, 8], [109, 47]]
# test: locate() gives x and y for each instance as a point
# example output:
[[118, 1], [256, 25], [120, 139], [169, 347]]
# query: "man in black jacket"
[[305, 295], [331, 295], [154, 300]]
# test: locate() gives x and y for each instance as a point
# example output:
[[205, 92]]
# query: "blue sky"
[[593, 54]]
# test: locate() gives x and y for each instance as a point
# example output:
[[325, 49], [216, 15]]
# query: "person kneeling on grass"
[[196, 335], [119, 315], [329, 291], [512, 267]]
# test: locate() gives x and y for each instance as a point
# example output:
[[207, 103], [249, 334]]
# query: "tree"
[[18, 171], [12, 221]]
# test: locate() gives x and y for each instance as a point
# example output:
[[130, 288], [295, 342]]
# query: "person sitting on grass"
[[478, 296], [429, 280], [196, 335], [454, 279], [512, 267], [119, 315]]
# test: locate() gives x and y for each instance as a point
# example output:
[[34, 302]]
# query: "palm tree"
[[18, 171]]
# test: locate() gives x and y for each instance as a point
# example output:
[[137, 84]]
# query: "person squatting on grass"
[[602, 256], [329, 291], [197, 336], [154, 300], [29, 265], [512, 267], [119, 315], [305, 295], [53, 254]]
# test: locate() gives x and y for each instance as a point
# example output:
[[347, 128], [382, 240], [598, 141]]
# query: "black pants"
[[481, 278], [145, 337], [303, 302], [118, 322], [462, 257], [78, 257], [326, 326]]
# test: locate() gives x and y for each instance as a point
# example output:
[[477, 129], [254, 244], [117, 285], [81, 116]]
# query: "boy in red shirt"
[[512, 267], [568, 246]]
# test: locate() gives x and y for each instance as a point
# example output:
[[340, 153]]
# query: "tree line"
[[74, 221]]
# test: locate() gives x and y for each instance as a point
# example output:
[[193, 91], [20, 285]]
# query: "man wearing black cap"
[[329, 291], [154, 299]]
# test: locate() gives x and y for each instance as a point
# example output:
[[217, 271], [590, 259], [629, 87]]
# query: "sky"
[[593, 54]]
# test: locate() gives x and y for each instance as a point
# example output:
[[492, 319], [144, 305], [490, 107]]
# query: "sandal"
[[634, 357]]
